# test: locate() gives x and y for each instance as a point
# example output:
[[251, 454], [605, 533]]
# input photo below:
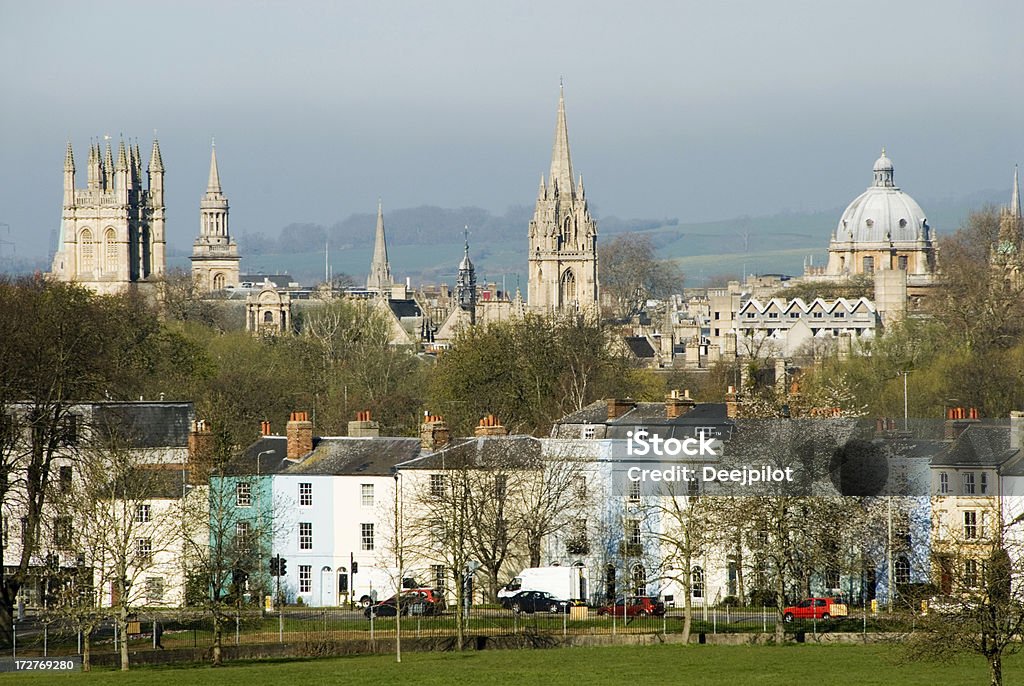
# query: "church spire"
[[213, 184], [561, 164], [156, 162], [380, 271], [69, 159], [1015, 195]]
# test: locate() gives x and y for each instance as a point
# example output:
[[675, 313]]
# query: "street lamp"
[[401, 572]]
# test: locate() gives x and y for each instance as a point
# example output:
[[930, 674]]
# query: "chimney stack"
[[676, 405], [1016, 429], [265, 428], [433, 432], [200, 451], [300, 435], [617, 407], [363, 426], [490, 426], [957, 421]]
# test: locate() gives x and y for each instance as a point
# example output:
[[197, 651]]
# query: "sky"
[[690, 110]]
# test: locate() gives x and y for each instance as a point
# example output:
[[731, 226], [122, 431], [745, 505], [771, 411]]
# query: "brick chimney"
[[732, 403], [200, 451], [363, 426], [300, 435], [617, 407], [957, 421], [433, 432], [490, 426], [677, 405]]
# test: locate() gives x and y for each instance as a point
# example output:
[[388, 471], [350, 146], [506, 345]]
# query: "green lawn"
[[665, 664]]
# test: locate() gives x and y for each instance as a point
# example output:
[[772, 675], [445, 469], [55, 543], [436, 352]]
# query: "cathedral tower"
[[112, 231], [215, 257], [1008, 252], [379, 278], [563, 236]]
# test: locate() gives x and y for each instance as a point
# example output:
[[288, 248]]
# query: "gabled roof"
[[333, 455], [978, 446]]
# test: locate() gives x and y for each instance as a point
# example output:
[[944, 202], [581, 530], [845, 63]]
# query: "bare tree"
[[631, 274]]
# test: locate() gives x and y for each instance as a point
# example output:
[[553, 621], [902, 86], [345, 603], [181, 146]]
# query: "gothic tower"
[[215, 257], [563, 236], [112, 231], [1008, 252], [379, 278], [465, 284]]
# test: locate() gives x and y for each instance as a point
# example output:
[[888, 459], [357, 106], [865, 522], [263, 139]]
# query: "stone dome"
[[883, 213]]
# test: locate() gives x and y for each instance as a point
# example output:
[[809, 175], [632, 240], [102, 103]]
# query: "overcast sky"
[[693, 110]]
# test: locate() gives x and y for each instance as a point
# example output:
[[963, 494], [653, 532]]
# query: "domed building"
[[882, 229]]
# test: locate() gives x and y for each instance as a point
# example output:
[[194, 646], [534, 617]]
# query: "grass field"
[[661, 664]]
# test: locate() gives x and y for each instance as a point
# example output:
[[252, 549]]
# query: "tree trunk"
[[87, 649], [8, 598], [218, 635], [122, 626], [995, 669], [780, 602], [534, 546], [687, 614], [493, 586]]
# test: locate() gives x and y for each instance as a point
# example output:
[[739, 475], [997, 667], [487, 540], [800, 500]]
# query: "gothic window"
[[87, 251], [639, 580], [568, 294], [697, 582], [218, 282], [109, 251]]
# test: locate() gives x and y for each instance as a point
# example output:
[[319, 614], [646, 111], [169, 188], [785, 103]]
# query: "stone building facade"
[[112, 231]]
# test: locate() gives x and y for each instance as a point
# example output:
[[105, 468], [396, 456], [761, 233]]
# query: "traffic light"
[[282, 566], [355, 567], [275, 568]]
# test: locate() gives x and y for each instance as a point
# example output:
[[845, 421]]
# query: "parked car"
[[634, 606], [536, 601], [816, 608], [415, 601]]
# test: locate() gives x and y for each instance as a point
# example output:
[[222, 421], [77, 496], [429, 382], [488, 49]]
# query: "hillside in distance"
[[425, 243]]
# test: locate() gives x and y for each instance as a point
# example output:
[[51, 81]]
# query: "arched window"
[[86, 251], [568, 290], [697, 582], [639, 575], [268, 317], [109, 251], [218, 281]]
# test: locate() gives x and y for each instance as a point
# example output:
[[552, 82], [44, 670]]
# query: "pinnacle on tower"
[[561, 164], [122, 157], [69, 159], [213, 184], [156, 162]]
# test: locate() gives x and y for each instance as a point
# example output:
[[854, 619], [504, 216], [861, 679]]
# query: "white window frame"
[[366, 495], [366, 536], [305, 578], [243, 494], [305, 535], [305, 494]]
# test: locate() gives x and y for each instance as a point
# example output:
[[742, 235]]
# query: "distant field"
[[612, 666]]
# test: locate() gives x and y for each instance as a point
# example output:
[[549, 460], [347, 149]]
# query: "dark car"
[[634, 606], [417, 601], [537, 601]]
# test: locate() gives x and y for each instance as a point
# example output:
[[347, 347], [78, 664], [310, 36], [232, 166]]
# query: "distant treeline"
[[425, 225]]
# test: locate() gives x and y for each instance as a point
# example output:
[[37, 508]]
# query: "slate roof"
[[506, 451], [979, 445], [147, 424], [335, 455], [640, 347], [646, 414], [404, 309]]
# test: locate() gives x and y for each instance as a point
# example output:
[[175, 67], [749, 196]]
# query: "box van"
[[564, 583]]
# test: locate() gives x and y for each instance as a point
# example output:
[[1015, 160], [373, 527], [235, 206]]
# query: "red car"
[[635, 606], [815, 608]]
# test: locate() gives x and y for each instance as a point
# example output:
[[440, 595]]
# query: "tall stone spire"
[[215, 259], [108, 168], [213, 184], [561, 176], [69, 177], [156, 162], [380, 271]]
